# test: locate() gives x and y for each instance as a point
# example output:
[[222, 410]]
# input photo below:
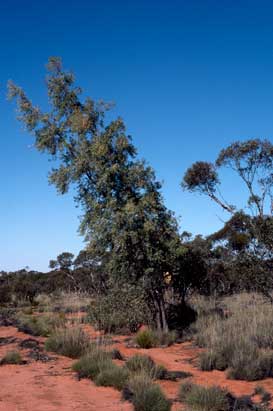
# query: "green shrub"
[[206, 399], [251, 367], [71, 342], [122, 310], [184, 390], [91, 364], [165, 338], [209, 360], [142, 364], [147, 396], [238, 340], [39, 325], [112, 376], [146, 339], [12, 357], [153, 338], [265, 395]]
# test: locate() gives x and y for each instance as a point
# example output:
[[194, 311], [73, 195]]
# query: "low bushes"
[[142, 364], [112, 376], [92, 363], [145, 395], [241, 341], [39, 325], [12, 357], [199, 398], [122, 310], [150, 338], [146, 339], [71, 342]]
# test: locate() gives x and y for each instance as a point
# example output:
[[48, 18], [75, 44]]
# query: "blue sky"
[[188, 77]]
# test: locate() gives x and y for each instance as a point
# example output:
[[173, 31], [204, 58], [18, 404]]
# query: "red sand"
[[52, 386]]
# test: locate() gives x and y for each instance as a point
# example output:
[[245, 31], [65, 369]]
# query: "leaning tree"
[[124, 220]]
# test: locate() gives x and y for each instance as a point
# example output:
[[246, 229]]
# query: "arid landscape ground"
[[46, 382]]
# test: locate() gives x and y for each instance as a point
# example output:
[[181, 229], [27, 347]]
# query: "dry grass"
[[242, 341]]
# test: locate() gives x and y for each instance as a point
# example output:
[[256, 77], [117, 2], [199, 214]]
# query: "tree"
[[124, 221], [64, 261], [244, 246], [252, 161]]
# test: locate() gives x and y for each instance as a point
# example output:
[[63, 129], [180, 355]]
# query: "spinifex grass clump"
[[199, 398], [71, 342], [12, 357], [145, 395], [242, 341], [152, 338], [112, 375], [146, 339], [97, 365], [39, 325], [142, 364]]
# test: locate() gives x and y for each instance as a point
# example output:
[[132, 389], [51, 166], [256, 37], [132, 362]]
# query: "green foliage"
[[112, 376], [147, 396], [124, 221], [184, 390], [146, 339], [241, 342], [252, 366], [123, 309], [210, 360], [143, 364], [39, 325], [91, 364], [205, 398], [12, 357], [71, 342]]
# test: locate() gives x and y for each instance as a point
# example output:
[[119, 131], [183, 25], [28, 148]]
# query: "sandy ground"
[[52, 386]]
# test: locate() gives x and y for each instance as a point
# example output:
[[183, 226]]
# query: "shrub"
[[71, 342], [12, 357], [209, 360], [239, 340], [153, 338], [112, 376], [147, 396], [122, 310], [142, 364], [39, 325], [251, 366], [184, 390], [91, 364], [265, 395], [146, 339], [206, 399], [165, 338]]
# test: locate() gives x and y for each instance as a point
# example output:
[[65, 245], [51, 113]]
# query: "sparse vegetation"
[[142, 364], [145, 395], [12, 357], [241, 342], [92, 363], [146, 339], [71, 342], [204, 398], [112, 376], [39, 325]]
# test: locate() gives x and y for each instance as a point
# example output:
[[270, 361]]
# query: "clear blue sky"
[[188, 77]]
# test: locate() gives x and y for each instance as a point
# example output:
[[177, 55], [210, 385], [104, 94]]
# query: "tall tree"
[[124, 219], [246, 240]]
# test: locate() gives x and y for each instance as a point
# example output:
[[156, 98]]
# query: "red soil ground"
[[52, 386]]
